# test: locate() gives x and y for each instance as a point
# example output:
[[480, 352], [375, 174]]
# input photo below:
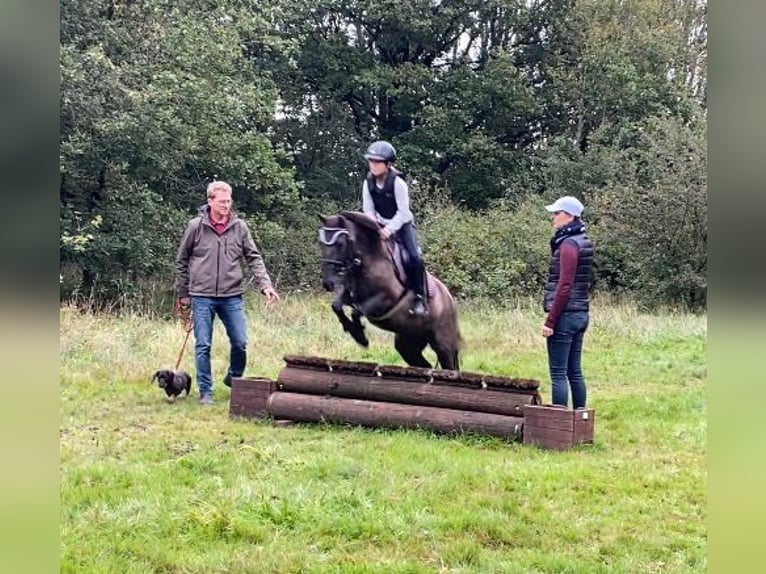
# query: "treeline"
[[495, 108]]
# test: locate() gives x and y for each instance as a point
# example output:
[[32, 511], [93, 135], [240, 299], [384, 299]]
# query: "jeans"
[[564, 357], [231, 310]]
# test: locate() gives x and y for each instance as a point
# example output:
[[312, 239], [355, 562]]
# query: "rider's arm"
[[367, 205], [403, 213]]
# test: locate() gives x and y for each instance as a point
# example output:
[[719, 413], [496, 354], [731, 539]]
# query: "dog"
[[174, 383]]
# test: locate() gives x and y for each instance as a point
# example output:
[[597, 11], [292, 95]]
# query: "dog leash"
[[187, 326]]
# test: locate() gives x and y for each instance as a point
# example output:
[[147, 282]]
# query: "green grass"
[[148, 486]]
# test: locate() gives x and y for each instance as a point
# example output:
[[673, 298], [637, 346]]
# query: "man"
[[209, 278], [566, 300], [386, 198]]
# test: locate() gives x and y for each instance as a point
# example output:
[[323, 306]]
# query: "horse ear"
[[361, 219]]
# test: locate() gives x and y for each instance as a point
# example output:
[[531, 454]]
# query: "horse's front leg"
[[352, 326], [357, 329]]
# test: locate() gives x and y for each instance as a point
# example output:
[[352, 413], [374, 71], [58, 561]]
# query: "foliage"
[[489, 104], [131, 237], [290, 250], [157, 99], [652, 213], [501, 253]]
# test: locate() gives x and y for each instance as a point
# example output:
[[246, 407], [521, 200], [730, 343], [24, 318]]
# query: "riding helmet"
[[381, 151]]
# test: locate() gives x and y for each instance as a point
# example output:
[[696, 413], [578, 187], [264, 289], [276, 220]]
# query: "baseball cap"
[[567, 203]]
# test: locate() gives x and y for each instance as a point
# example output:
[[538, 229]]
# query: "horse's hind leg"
[[448, 360], [447, 356], [411, 350]]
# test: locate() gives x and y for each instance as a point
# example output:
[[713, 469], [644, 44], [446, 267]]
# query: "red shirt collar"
[[219, 226]]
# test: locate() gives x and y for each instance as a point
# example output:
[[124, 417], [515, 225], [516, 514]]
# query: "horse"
[[361, 266]]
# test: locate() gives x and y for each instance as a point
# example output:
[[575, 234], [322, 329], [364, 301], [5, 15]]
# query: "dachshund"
[[174, 383]]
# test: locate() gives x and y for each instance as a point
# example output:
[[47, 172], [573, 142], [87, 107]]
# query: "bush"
[[500, 253], [652, 215], [290, 250]]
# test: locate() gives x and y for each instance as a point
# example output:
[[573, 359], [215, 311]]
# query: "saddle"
[[401, 259]]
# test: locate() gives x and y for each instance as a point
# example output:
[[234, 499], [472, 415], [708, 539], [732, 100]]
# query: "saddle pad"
[[397, 255]]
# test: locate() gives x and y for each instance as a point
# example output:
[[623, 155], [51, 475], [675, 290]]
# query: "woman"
[[386, 198], [566, 300]]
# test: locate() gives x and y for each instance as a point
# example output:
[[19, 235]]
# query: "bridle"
[[349, 268], [329, 236]]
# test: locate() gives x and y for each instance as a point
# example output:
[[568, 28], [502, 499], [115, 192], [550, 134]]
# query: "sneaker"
[[206, 399]]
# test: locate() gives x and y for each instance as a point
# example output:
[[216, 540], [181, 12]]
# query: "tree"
[[651, 215], [157, 99]]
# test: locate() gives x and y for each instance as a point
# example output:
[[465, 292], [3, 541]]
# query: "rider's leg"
[[416, 271]]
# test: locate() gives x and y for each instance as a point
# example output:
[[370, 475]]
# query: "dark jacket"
[[209, 265], [578, 296], [384, 199]]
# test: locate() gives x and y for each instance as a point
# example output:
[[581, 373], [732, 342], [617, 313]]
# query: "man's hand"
[[271, 295], [183, 302], [547, 331], [385, 234]]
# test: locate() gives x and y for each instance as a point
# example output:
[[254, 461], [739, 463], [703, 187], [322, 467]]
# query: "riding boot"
[[418, 286]]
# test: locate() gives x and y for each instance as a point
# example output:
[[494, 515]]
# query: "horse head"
[[346, 240]]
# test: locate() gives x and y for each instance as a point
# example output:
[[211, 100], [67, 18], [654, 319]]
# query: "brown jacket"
[[209, 265]]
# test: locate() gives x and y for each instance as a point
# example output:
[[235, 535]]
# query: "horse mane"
[[368, 229], [361, 219]]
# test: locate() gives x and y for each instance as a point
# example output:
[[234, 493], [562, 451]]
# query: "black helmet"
[[381, 151]]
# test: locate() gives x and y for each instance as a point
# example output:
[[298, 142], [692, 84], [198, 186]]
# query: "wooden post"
[[250, 396], [413, 392], [313, 408], [557, 427]]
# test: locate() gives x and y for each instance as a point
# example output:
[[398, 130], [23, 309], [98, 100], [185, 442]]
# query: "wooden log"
[[557, 427], [411, 392], [443, 376], [314, 408]]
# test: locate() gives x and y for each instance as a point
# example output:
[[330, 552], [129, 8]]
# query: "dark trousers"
[[564, 358], [407, 237]]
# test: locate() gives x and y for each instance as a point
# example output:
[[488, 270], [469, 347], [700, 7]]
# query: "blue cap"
[[567, 203]]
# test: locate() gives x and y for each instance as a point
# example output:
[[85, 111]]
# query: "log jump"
[[315, 389], [320, 390]]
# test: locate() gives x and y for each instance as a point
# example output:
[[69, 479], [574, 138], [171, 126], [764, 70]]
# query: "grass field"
[[148, 486]]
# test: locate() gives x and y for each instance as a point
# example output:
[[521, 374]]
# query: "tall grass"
[[152, 487]]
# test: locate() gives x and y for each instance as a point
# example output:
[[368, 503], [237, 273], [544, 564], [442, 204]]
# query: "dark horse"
[[355, 259]]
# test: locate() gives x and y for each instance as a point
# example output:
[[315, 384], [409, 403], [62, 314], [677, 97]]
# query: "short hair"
[[215, 186]]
